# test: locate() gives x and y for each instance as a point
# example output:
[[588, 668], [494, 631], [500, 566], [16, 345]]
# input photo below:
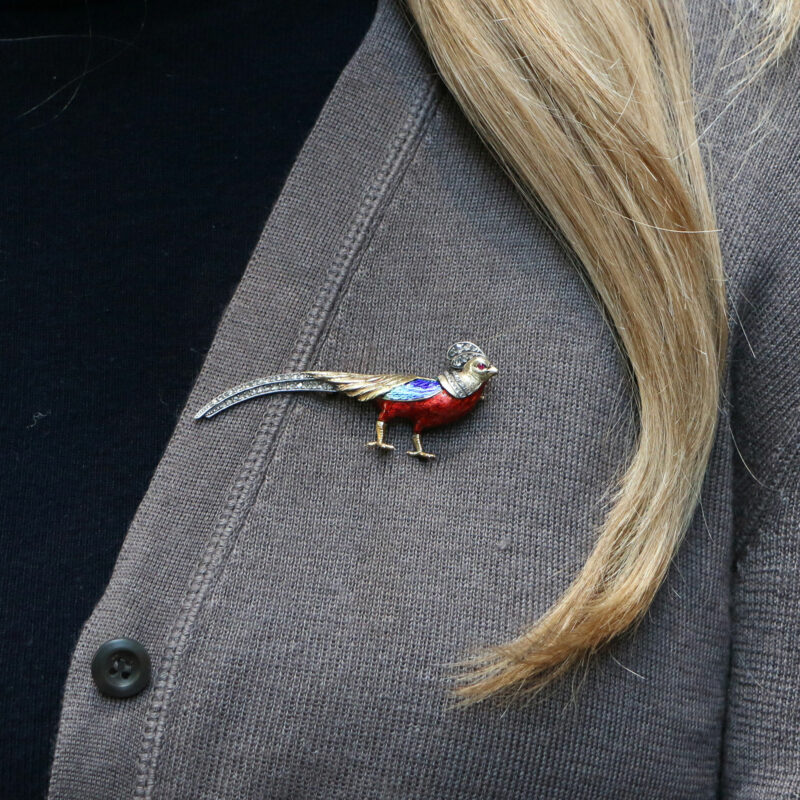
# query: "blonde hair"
[[588, 105]]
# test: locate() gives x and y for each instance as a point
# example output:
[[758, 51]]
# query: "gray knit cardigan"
[[301, 596]]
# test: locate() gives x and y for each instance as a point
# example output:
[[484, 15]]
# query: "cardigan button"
[[121, 668]]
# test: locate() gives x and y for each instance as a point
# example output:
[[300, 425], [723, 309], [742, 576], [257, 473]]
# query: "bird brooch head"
[[469, 370], [425, 402]]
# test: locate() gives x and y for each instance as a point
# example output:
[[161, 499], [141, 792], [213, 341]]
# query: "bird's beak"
[[492, 371]]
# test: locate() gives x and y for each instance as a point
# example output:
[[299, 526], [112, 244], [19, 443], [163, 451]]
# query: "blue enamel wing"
[[418, 389]]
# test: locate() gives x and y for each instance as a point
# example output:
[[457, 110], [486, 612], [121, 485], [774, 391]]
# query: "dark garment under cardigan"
[[301, 596]]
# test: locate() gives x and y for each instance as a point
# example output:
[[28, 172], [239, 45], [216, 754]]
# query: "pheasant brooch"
[[425, 402]]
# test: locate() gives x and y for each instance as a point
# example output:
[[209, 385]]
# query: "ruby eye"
[[481, 366]]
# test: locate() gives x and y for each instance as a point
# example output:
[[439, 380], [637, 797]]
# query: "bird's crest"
[[461, 352]]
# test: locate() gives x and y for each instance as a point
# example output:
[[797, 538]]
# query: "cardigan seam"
[[245, 488]]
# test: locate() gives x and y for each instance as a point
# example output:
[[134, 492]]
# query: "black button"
[[121, 668]]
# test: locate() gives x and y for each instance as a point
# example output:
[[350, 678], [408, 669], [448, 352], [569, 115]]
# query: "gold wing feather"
[[363, 387]]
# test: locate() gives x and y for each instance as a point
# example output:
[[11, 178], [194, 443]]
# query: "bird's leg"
[[380, 428], [418, 451]]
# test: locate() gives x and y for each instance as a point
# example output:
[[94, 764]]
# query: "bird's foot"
[[382, 445], [420, 454]]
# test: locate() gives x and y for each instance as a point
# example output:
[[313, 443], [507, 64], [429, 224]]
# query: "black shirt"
[[142, 147]]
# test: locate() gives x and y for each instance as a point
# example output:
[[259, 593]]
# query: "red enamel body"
[[431, 413]]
